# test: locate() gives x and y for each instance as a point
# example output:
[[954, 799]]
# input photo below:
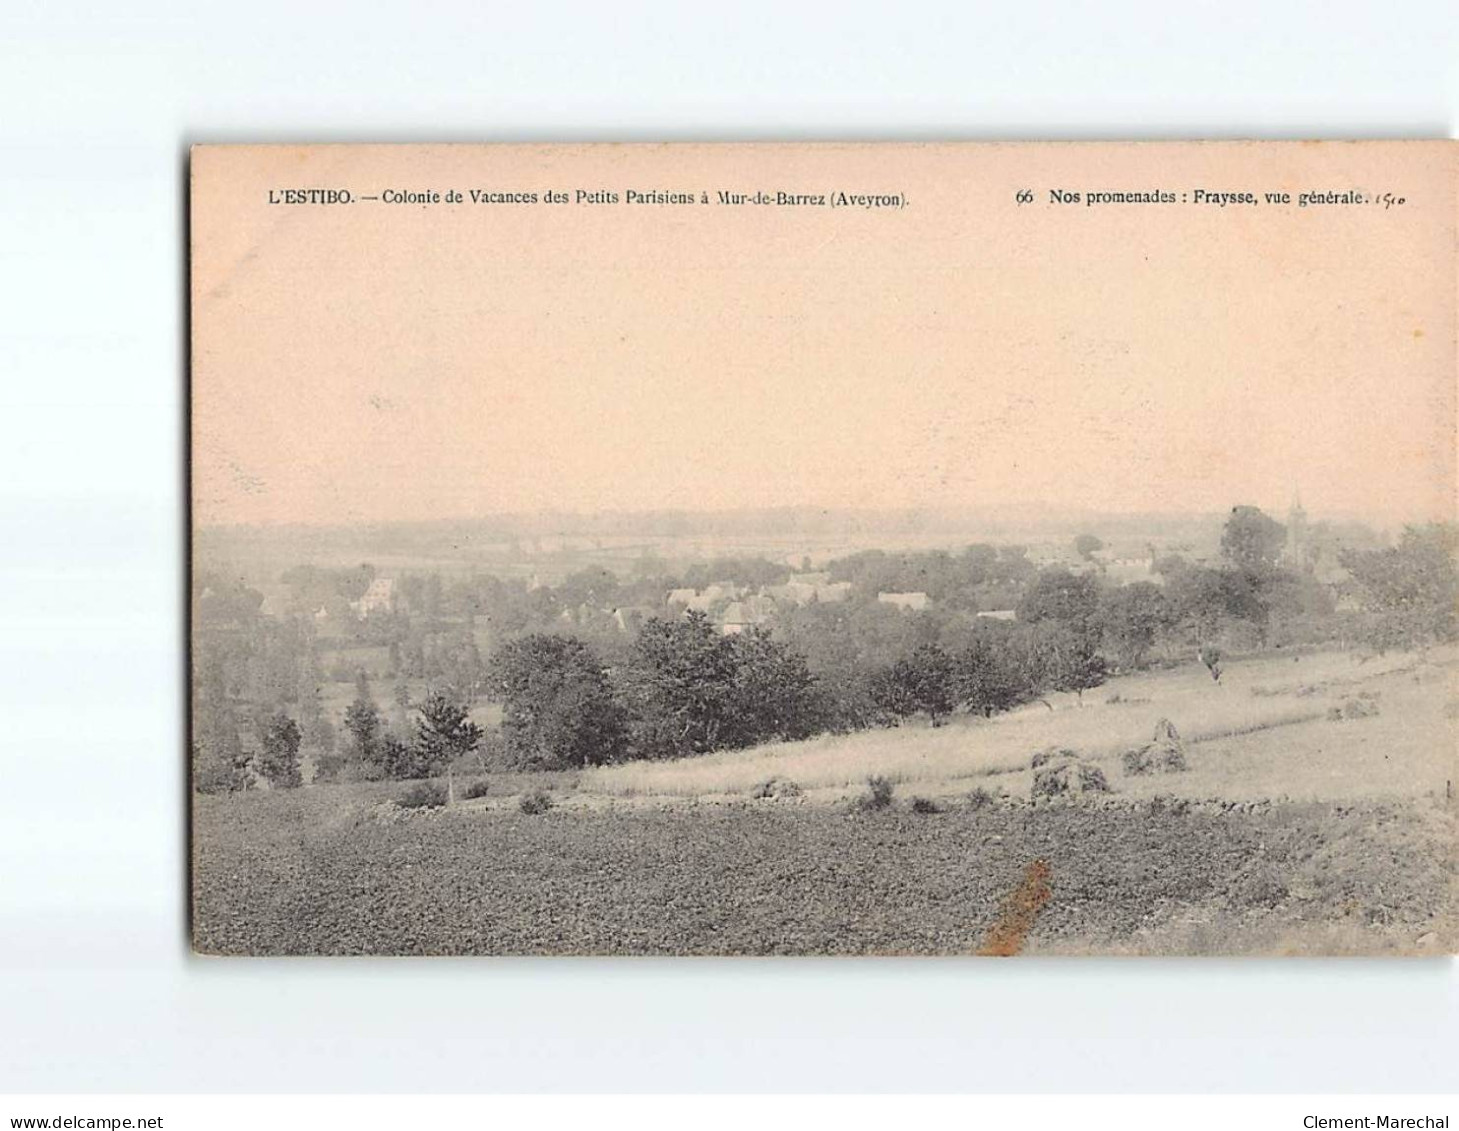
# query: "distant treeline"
[[577, 686], [844, 524]]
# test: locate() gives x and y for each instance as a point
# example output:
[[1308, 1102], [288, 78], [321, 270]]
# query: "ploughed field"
[[276, 874], [1297, 824]]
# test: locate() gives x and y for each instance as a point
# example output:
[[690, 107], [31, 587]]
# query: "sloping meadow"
[[1269, 694]]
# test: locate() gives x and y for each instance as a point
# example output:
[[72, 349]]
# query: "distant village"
[[734, 608]]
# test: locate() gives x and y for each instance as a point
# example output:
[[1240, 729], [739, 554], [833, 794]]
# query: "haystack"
[[1163, 754], [1060, 772], [776, 788]]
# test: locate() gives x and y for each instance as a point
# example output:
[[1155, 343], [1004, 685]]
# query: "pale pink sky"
[[378, 362]]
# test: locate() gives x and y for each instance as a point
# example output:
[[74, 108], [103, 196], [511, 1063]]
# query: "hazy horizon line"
[[1004, 512]]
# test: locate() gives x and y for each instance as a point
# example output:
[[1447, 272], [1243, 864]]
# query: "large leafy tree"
[[773, 696], [1205, 601], [694, 690], [560, 708], [1062, 597], [989, 676], [1064, 659], [1409, 590], [1131, 617], [680, 678], [923, 681], [1252, 540]]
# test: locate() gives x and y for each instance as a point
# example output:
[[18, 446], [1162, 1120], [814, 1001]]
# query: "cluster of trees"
[[684, 688], [985, 666], [1250, 599], [223, 767], [1409, 590], [679, 686], [996, 671], [1069, 630], [442, 734], [251, 674]]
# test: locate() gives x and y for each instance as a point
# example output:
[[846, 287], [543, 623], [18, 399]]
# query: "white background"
[[97, 104]]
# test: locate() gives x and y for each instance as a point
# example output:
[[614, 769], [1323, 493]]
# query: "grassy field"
[[1262, 732], [1288, 832]]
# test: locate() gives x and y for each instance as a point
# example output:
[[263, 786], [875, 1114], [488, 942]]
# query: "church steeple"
[[1298, 552]]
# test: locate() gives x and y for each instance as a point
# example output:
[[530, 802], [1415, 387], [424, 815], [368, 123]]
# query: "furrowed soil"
[[320, 872]]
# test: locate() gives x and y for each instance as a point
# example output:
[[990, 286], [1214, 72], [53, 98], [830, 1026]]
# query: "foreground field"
[[300, 874]]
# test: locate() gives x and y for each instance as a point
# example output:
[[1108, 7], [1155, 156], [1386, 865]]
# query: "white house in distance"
[[379, 597], [915, 602]]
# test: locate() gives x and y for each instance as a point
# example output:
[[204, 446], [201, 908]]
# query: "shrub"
[[878, 793], [478, 788], [925, 805], [219, 779], [535, 802], [424, 795], [981, 798]]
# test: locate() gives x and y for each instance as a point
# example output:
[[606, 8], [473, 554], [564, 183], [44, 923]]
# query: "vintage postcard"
[[966, 549]]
